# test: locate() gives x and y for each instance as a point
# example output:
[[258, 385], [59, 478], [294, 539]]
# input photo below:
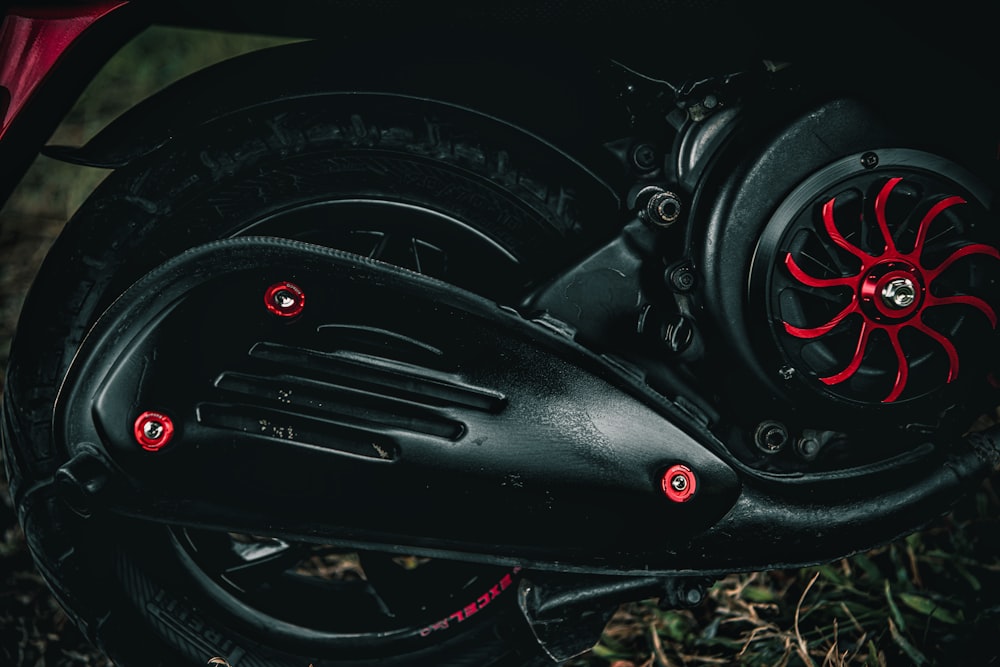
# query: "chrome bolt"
[[284, 299], [152, 430], [899, 293], [679, 483]]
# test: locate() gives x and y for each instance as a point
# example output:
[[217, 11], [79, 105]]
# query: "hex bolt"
[[153, 430], [771, 436], [869, 160], [899, 293], [679, 483], [664, 208], [682, 278], [658, 207], [285, 299]]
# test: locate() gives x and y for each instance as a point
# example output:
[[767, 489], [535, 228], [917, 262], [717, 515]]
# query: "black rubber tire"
[[524, 196]]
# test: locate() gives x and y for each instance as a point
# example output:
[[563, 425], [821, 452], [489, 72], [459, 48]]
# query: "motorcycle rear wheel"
[[425, 185]]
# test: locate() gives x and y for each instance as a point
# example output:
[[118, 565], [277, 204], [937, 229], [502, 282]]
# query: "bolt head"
[[899, 293], [771, 437], [644, 157], [284, 299], [153, 430], [693, 596], [679, 483], [682, 279], [663, 209], [869, 160]]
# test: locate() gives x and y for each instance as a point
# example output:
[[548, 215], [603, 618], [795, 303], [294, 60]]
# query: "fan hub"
[[891, 291]]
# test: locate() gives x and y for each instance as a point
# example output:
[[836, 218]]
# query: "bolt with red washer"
[[153, 430], [679, 483], [285, 299]]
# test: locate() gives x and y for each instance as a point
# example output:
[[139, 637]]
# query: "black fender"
[[558, 96]]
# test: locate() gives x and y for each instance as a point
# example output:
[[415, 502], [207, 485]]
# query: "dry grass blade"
[[802, 648], [661, 657]]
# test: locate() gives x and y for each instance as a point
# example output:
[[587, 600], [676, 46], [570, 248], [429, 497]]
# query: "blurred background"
[[932, 598]]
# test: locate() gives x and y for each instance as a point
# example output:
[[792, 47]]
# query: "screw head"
[[682, 278], [285, 299], [869, 160], [644, 157], [153, 430], [679, 483]]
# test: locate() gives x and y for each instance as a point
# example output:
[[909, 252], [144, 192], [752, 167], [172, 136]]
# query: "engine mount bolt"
[[771, 436], [869, 160], [679, 483], [899, 293], [657, 207], [285, 299], [664, 208], [153, 430]]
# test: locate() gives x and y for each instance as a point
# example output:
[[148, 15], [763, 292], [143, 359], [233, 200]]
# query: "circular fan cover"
[[880, 277]]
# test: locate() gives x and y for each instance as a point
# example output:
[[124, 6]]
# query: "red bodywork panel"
[[32, 40]]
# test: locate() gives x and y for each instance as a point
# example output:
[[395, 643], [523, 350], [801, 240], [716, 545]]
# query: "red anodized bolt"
[[285, 299], [153, 430], [679, 483]]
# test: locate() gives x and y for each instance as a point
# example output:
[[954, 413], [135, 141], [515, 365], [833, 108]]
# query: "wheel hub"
[[891, 291]]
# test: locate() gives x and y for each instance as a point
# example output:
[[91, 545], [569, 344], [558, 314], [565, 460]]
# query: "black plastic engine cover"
[[315, 393]]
